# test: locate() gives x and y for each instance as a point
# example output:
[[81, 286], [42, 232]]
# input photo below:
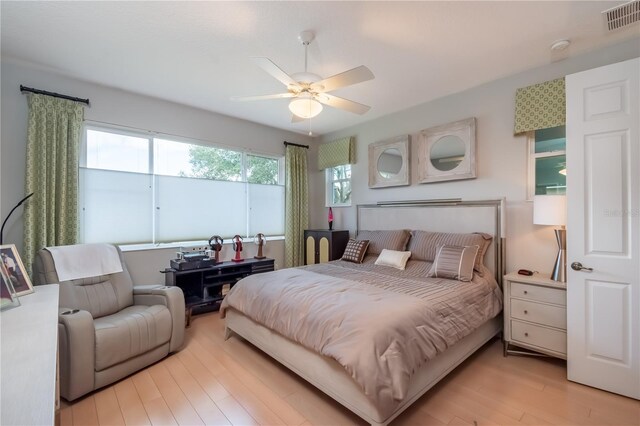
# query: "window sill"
[[165, 246]]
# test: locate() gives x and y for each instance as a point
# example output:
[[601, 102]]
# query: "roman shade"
[[540, 106], [337, 153]]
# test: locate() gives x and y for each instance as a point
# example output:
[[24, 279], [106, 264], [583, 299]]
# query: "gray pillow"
[[380, 240], [454, 262], [424, 244]]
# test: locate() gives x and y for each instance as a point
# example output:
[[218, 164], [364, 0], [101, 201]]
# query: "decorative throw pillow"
[[393, 258], [425, 244], [454, 262], [355, 250]]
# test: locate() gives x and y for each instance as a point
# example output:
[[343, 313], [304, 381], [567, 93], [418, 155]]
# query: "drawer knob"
[[525, 292], [526, 312], [526, 334]]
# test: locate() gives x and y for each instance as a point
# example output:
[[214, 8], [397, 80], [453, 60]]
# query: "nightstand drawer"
[[553, 316], [539, 293], [536, 335]]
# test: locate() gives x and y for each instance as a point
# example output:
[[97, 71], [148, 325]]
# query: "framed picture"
[[389, 162], [15, 270], [8, 296], [447, 152]]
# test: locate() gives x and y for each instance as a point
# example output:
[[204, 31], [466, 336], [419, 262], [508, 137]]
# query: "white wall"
[[110, 105], [501, 156]]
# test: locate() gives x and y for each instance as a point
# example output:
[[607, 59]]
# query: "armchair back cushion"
[[100, 296]]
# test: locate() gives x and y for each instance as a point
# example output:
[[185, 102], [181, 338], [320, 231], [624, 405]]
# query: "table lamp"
[[552, 210]]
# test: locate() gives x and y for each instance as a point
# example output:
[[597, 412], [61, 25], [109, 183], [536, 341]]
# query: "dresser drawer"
[[539, 336], [542, 294], [553, 316]]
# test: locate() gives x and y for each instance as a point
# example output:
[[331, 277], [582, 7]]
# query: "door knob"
[[577, 266]]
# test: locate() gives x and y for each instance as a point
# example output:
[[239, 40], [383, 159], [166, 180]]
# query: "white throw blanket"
[[85, 260]]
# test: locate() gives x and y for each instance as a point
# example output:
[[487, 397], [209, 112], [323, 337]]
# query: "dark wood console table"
[[205, 287]]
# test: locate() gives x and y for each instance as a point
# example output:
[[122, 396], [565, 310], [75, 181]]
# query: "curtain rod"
[[295, 144], [55, 95]]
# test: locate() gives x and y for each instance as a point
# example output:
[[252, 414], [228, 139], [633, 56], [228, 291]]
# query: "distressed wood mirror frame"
[[381, 179], [462, 165]]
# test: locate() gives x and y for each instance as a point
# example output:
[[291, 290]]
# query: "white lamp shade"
[[550, 210], [305, 107]]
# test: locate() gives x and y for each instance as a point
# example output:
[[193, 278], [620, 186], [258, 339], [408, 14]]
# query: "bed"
[[347, 353]]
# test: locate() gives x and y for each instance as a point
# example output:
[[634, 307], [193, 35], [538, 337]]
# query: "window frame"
[[329, 181], [532, 156], [150, 136]]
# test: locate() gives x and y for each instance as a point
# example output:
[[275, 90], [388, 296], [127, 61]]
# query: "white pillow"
[[393, 258]]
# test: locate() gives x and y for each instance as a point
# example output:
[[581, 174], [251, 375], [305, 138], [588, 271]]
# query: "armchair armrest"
[[173, 299], [76, 342]]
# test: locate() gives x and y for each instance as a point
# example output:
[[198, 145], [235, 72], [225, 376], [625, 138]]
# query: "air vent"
[[623, 15]]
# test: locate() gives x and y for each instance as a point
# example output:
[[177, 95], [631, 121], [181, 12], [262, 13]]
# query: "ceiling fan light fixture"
[[305, 107]]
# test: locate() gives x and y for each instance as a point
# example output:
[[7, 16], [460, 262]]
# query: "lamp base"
[[560, 268]]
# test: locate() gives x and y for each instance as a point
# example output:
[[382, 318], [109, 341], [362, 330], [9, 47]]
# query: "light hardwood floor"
[[216, 382]]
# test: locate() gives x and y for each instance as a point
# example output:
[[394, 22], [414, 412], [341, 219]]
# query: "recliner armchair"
[[107, 328]]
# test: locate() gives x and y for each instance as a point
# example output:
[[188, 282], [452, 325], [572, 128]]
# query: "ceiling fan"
[[308, 90]]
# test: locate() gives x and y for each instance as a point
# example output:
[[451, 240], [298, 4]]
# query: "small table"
[[208, 286], [535, 315]]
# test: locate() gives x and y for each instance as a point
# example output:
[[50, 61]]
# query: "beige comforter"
[[379, 323]]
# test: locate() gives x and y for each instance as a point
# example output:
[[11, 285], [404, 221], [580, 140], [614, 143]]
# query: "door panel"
[[324, 250], [606, 186], [606, 101], [603, 227], [311, 250], [608, 325]]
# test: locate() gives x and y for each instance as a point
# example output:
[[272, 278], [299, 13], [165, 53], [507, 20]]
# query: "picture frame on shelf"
[[16, 272], [8, 297]]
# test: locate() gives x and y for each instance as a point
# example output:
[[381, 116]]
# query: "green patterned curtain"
[[53, 141], [337, 153], [540, 106], [296, 205]]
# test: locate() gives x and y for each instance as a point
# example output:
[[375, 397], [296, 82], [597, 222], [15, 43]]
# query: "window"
[[136, 188], [547, 162], [339, 186]]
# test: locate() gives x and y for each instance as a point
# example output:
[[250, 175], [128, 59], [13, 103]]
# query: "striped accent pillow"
[[355, 250], [454, 262], [425, 244], [380, 240]]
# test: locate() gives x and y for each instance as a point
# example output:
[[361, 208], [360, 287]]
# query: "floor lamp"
[[552, 210]]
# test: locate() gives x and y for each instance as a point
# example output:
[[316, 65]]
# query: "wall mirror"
[[447, 152], [389, 162]]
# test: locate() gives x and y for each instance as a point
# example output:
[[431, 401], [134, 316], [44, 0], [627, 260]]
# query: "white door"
[[603, 227]]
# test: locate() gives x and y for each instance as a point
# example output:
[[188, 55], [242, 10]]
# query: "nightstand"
[[324, 245], [535, 315]]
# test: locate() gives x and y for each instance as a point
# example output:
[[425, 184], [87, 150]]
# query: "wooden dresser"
[[30, 359], [535, 315]]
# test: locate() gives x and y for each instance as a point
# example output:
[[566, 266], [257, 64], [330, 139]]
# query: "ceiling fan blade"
[[296, 119], [275, 71], [263, 97], [342, 103], [347, 78]]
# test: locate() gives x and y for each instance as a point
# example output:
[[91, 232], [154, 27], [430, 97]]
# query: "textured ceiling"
[[197, 53]]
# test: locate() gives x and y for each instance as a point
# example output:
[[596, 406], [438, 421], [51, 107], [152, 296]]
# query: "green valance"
[[540, 106], [337, 153]]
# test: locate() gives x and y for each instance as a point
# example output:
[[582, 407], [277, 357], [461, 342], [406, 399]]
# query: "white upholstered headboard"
[[442, 216]]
